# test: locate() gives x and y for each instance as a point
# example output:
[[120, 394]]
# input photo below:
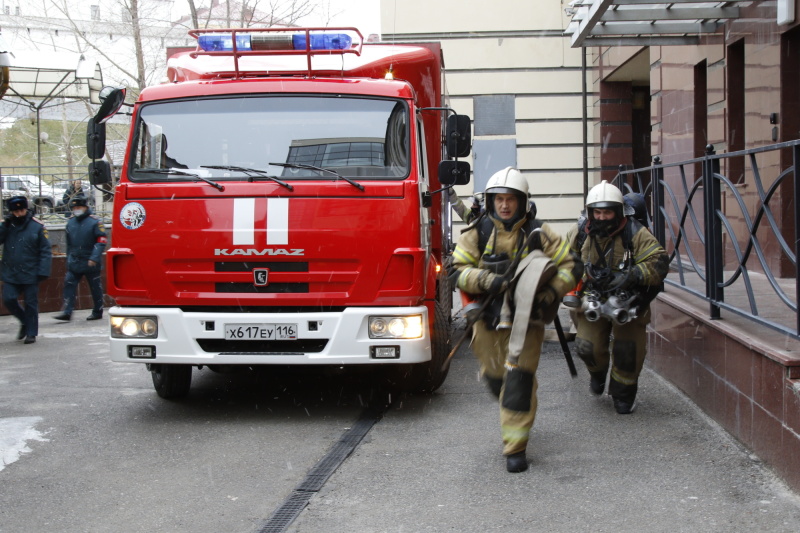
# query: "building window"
[[7, 10], [338, 154], [95, 12]]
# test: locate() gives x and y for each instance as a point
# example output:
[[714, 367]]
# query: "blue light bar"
[[223, 42], [323, 41]]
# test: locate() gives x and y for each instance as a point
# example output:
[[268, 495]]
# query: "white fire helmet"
[[507, 181], [604, 196]]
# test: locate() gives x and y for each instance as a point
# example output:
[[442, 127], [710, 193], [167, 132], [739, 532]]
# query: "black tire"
[[431, 375], [171, 381]]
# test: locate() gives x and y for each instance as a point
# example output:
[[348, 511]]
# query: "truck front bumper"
[[308, 338]]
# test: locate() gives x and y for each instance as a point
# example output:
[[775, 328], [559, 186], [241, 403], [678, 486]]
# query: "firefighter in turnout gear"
[[625, 267], [484, 261]]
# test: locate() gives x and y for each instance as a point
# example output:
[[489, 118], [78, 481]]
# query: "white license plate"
[[260, 332]]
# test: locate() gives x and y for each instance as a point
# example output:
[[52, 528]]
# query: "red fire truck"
[[278, 205]]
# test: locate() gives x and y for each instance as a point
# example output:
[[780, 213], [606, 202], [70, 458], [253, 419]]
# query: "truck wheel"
[[171, 381], [430, 376]]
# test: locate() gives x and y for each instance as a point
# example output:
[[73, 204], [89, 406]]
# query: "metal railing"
[[49, 191], [732, 243]]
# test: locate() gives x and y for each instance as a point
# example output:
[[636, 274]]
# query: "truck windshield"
[[358, 138]]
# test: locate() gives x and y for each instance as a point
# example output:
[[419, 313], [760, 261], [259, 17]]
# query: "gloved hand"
[[41, 278], [452, 197], [492, 283], [476, 207], [624, 280], [543, 301]]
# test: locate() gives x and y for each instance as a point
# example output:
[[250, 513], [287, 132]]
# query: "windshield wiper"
[[176, 172], [260, 173], [320, 170]]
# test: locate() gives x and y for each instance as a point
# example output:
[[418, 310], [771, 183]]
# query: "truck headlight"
[[395, 327], [138, 327]]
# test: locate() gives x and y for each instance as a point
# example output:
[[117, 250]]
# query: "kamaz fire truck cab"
[[277, 206]]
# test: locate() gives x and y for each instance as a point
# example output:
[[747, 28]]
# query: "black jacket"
[[27, 256], [86, 240]]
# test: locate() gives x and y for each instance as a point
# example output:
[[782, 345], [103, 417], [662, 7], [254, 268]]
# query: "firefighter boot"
[[624, 405], [597, 383], [516, 462]]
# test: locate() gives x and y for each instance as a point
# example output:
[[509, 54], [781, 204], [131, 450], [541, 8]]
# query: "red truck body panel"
[[333, 252]]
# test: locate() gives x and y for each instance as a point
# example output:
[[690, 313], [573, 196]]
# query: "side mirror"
[[454, 173], [99, 172], [95, 139], [459, 137], [112, 98]]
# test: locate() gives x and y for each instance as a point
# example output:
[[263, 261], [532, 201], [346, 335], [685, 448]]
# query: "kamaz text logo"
[[263, 252]]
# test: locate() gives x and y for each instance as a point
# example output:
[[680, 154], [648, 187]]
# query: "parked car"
[[40, 193]]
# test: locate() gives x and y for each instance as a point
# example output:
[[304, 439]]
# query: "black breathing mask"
[[603, 228]]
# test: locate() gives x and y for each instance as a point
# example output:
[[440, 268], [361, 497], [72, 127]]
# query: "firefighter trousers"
[[518, 391], [602, 343]]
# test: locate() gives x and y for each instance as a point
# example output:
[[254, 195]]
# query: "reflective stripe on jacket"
[[467, 258]]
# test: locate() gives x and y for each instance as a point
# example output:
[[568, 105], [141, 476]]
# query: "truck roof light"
[[245, 42]]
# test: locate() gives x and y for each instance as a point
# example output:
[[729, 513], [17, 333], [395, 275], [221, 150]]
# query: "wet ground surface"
[[88, 446]]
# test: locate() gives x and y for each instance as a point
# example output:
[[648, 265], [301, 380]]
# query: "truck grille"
[[298, 347], [335, 278], [249, 288], [248, 266]]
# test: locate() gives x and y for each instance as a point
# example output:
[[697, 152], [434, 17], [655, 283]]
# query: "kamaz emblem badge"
[[260, 277]]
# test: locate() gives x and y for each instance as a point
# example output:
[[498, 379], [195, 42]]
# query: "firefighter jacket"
[[86, 241], [27, 256], [469, 260], [648, 261]]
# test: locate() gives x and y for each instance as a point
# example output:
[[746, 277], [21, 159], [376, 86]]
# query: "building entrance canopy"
[[45, 79], [656, 23], [52, 75]]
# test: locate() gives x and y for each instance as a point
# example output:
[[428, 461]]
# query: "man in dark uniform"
[[86, 240], [26, 261]]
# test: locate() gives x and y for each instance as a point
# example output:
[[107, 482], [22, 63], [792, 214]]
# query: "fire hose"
[[530, 273]]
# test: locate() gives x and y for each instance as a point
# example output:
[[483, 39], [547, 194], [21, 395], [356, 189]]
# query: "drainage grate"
[[286, 513], [319, 474]]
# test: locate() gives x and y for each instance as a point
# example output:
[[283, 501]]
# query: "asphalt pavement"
[[432, 463]]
